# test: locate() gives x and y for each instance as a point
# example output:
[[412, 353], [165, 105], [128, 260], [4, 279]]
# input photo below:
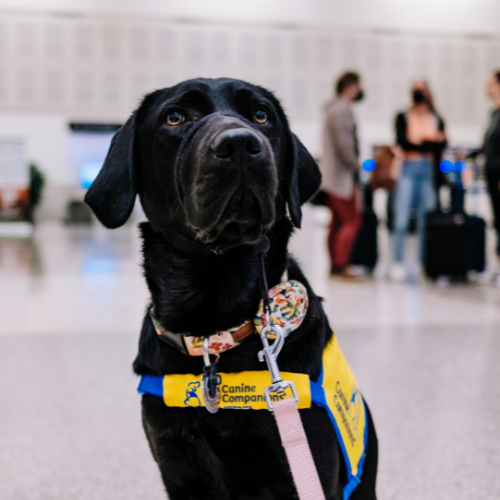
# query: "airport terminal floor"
[[72, 300]]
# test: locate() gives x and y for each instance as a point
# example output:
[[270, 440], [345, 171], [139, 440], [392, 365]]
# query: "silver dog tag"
[[212, 404], [211, 381]]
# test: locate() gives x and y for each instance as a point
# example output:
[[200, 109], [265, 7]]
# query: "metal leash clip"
[[270, 354], [211, 381]]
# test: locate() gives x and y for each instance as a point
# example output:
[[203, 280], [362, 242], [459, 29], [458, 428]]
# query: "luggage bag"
[[476, 256], [365, 250], [455, 243], [446, 245]]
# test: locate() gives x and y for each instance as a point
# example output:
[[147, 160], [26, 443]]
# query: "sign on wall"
[[14, 181]]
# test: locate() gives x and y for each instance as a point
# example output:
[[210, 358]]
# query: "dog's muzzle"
[[222, 147], [226, 178]]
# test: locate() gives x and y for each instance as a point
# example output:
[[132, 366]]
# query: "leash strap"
[[298, 453], [292, 433], [264, 288]]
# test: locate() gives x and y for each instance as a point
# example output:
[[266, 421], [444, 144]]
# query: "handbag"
[[388, 165]]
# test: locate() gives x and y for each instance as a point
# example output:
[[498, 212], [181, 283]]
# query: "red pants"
[[346, 220]]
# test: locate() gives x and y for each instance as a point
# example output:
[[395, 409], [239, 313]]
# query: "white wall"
[[45, 139], [440, 16], [82, 60]]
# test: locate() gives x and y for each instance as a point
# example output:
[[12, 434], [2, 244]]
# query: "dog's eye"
[[175, 118], [261, 116]]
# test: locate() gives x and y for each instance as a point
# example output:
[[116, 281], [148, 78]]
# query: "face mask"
[[419, 97], [360, 96]]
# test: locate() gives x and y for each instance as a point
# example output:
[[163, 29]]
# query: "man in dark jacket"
[[491, 150]]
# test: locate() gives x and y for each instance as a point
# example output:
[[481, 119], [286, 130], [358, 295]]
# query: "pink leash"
[[294, 440], [286, 413]]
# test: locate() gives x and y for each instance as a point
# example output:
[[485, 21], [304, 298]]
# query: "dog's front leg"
[[190, 474], [189, 468]]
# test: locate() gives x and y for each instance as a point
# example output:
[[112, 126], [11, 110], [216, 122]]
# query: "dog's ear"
[[304, 179], [112, 195]]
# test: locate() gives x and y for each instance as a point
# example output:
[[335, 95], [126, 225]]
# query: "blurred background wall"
[[65, 61]]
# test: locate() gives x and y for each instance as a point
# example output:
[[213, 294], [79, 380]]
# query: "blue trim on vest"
[[353, 481], [318, 397], [153, 384]]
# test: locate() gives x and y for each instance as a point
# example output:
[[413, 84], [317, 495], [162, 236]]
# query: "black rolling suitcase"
[[476, 257], [446, 242], [365, 250], [477, 243], [455, 243]]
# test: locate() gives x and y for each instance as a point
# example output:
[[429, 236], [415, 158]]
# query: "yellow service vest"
[[336, 391]]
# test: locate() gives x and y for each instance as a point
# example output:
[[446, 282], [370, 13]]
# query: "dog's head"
[[214, 156]]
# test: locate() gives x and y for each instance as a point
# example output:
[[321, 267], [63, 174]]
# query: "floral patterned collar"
[[289, 302]]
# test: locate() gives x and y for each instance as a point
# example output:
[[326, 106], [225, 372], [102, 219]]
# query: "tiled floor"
[[71, 304]]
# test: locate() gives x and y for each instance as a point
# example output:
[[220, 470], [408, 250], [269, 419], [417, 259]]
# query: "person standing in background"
[[420, 132], [339, 165], [491, 151]]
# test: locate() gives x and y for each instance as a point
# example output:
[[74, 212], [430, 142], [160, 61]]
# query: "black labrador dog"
[[240, 173]]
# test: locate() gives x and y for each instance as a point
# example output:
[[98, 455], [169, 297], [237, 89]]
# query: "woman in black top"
[[434, 147], [420, 133], [491, 150]]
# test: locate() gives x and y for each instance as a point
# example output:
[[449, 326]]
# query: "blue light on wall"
[[368, 165], [446, 166], [460, 166], [88, 173]]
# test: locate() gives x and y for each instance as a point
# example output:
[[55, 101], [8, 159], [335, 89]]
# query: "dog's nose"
[[237, 144]]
